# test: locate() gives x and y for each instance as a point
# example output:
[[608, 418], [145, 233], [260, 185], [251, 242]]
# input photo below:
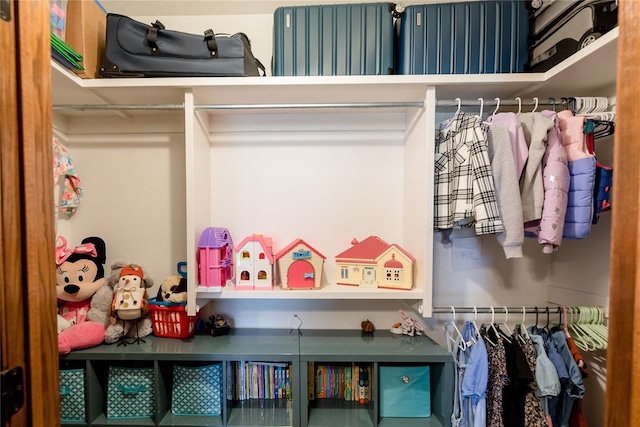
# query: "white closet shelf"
[[592, 67], [330, 291]]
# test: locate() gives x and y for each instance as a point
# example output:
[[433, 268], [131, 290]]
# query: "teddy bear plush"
[[173, 289], [128, 313], [81, 295]]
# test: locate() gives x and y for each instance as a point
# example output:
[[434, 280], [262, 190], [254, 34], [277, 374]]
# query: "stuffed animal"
[[129, 314], [173, 289], [79, 279]]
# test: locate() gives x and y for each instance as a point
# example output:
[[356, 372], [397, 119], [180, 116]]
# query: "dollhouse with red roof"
[[300, 266], [254, 263], [375, 263]]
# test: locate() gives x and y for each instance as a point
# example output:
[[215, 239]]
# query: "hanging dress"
[[498, 378], [533, 412]]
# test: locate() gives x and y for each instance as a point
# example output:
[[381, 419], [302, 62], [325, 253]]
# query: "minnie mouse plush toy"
[[79, 276]]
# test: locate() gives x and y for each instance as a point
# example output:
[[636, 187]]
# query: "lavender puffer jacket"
[[582, 170]]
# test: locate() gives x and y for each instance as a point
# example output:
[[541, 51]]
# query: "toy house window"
[[393, 275], [261, 256], [344, 272], [262, 275], [245, 255], [245, 275]]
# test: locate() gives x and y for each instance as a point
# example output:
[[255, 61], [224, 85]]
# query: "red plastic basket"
[[171, 321]]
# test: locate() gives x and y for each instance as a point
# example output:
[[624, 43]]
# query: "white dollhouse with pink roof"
[[254, 263], [375, 263]]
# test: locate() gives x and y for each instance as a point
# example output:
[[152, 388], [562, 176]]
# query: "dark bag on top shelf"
[[134, 49]]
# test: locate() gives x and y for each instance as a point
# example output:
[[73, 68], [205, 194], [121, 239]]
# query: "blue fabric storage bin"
[[197, 390], [405, 392], [130, 393], [72, 396]]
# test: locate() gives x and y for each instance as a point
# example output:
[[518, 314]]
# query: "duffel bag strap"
[[212, 44], [152, 36]]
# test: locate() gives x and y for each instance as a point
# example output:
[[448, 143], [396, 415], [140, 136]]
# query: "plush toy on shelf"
[[173, 289], [129, 314], [82, 301]]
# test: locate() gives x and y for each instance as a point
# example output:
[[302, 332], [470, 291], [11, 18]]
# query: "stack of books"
[[339, 381], [65, 54], [258, 380]]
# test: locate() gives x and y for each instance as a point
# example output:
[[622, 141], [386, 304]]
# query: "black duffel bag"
[[134, 49]]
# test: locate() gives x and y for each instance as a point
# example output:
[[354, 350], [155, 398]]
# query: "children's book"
[[311, 376], [347, 383]]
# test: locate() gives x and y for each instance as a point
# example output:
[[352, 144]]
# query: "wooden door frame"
[[27, 294], [12, 313], [623, 369]]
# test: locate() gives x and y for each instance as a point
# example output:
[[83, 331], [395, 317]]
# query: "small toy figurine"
[[408, 326], [367, 326], [217, 325]]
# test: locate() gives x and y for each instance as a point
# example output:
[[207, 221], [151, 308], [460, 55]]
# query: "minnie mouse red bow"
[[62, 252]]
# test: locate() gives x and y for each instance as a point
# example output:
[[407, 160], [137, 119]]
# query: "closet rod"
[[240, 106], [119, 107], [312, 105], [491, 101], [362, 105], [499, 310]]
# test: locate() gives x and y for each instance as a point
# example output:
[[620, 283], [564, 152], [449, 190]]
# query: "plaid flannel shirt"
[[464, 190]]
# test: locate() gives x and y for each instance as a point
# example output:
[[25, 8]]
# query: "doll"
[[79, 279]]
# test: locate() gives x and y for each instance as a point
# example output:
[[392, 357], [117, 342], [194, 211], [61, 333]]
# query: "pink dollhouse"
[[254, 263], [300, 266], [375, 263], [215, 258]]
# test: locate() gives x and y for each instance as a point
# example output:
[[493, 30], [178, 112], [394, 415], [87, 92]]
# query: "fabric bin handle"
[[125, 389]]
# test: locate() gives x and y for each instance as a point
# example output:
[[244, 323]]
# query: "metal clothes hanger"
[[497, 106], [546, 326], [535, 106], [523, 336], [517, 98]]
